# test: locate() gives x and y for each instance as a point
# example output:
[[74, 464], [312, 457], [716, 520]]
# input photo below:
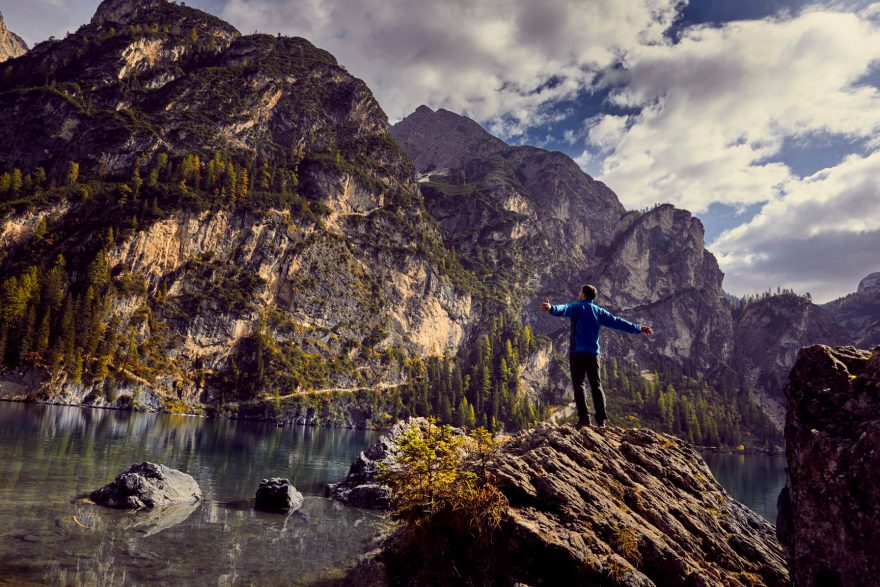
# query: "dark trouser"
[[585, 366]]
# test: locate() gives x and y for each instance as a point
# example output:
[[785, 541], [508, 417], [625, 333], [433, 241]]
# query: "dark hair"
[[590, 292]]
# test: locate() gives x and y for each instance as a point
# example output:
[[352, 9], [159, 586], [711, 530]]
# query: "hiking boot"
[[582, 424], [600, 423]]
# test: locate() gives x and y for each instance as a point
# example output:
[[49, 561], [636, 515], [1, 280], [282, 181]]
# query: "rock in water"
[[829, 510], [361, 487], [278, 495], [148, 486]]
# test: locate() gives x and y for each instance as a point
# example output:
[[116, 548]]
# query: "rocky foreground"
[[600, 507], [829, 511]]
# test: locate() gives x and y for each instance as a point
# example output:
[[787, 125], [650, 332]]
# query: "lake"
[[52, 454], [752, 479]]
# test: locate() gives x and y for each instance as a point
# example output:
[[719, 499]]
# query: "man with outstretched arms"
[[583, 356]]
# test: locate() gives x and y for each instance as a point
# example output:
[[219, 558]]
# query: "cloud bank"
[[714, 115], [501, 62]]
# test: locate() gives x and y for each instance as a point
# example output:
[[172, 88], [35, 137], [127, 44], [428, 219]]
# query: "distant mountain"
[[768, 333], [11, 45], [859, 312]]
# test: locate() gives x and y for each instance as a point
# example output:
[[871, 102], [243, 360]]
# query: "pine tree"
[[17, 180], [72, 172], [244, 184]]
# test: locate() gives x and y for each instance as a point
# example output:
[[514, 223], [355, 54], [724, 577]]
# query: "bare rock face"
[[767, 337], [11, 45], [829, 510], [870, 284], [626, 507], [859, 312], [656, 270], [148, 486]]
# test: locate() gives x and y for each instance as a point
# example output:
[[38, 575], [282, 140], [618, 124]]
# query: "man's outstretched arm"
[[608, 319], [561, 310]]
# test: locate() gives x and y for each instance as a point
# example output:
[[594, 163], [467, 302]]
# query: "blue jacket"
[[586, 320]]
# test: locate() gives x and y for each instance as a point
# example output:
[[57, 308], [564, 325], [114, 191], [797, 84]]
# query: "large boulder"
[[829, 510], [148, 486], [278, 495]]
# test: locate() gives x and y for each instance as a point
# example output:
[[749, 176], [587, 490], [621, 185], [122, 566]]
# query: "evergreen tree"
[[72, 172]]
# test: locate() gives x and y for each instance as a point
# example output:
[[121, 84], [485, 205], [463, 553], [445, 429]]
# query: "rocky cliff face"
[[11, 45], [533, 219], [599, 506], [526, 216], [859, 312], [262, 220], [767, 337], [830, 506]]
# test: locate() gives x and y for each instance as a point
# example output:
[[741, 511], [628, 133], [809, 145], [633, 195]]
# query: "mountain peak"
[[870, 284], [442, 139], [11, 45], [123, 11], [133, 12]]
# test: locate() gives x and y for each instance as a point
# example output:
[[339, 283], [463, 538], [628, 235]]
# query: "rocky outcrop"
[[870, 284], [277, 495], [830, 507], [11, 45], [362, 486], [605, 506], [148, 486]]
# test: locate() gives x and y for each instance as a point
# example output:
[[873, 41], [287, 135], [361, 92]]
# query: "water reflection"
[[54, 453]]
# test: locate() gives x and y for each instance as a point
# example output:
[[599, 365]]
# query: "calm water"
[[752, 479], [50, 454]]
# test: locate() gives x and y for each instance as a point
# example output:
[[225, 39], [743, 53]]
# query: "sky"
[[761, 117]]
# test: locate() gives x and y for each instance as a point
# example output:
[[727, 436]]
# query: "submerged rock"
[[278, 495], [829, 510], [148, 486]]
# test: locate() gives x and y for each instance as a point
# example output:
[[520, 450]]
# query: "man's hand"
[[545, 305], [647, 329]]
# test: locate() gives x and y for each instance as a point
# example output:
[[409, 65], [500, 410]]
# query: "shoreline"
[[287, 422]]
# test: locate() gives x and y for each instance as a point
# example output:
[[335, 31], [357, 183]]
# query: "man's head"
[[588, 292]]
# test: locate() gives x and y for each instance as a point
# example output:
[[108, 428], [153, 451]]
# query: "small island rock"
[[148, 486], [278, 495]]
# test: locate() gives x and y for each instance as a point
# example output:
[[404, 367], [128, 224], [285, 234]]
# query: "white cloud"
[[499, 61], [719, 104], [823, 236]]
